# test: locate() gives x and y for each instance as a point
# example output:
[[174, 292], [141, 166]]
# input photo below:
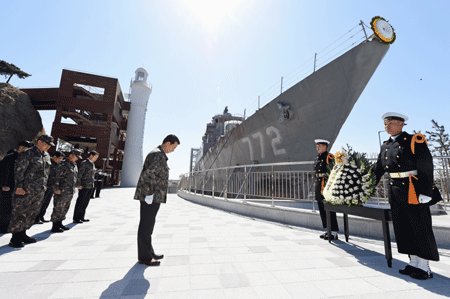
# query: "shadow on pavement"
[[438, 284], [132, 284], [42, 235], [39, 237], [7, 249]]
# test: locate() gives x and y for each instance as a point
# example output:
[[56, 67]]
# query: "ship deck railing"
[[287, 184]]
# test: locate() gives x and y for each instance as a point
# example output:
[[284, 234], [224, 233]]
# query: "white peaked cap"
[[395, 115], [321, 141]]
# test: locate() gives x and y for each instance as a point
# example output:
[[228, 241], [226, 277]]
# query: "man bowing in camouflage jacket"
[[64, 187], [85, 186], [31, 173], [151, 191]]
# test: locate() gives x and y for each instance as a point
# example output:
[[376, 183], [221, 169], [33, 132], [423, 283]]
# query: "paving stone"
[[208, 254]]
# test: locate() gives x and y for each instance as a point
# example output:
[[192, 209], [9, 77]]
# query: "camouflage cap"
[[93, 153], [76, 152], [26, 143], [47, 139], [58, 154]]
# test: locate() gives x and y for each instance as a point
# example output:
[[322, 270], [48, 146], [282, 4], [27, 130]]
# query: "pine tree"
[[8, 70], [440, 147], [439, 140]]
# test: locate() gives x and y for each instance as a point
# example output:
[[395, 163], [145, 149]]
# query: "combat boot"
[[62, 226], [56, 228], [27, 239], [16, 241]]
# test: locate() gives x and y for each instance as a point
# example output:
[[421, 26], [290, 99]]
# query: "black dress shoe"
[[28, 240], [325, 236], [63, 227], [333, 236], [42, 219], [150, 263], [420, 274], [37, 221], [77, 221], [85, 220], [407, 270], [57, 230], [158, 256], [15, 244]]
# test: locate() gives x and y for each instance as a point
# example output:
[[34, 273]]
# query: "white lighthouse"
[[132, 161]]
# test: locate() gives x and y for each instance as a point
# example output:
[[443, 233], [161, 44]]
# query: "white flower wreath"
[[351, 181]]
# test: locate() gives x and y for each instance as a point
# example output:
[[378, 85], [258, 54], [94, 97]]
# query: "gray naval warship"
[[316, 107]]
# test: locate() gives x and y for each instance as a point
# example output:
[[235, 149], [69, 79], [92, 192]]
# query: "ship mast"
[[364, 29]]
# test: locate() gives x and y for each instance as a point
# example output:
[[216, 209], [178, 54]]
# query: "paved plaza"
[[208, 254]]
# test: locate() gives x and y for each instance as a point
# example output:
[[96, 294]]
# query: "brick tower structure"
[[91, 114]]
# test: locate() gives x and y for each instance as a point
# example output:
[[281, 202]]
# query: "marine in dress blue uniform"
[[320, 168], [409, 164]]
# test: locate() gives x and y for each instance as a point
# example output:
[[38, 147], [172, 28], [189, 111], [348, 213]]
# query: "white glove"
[[424, 198], [149, 199]]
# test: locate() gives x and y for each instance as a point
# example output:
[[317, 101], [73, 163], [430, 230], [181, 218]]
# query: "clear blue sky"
[[205, 55]]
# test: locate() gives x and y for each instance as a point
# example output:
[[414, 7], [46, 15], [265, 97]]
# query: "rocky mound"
[[18, 118]]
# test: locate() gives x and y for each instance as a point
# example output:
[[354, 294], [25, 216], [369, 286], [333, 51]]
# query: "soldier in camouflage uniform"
[[31, 174], [57, 157], [64, 188], [7, 183], [151, 191], [85, 185]]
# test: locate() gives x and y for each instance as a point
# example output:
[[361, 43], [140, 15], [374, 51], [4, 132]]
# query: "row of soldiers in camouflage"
[[35, 179]]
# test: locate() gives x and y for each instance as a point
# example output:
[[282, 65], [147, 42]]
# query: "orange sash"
[[412, 196]]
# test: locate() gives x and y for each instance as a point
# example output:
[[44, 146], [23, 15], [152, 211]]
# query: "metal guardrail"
[[283, 181]]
